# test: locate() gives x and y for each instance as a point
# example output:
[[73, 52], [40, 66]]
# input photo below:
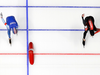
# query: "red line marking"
[[13, 53], [67, 53], [51, 53]]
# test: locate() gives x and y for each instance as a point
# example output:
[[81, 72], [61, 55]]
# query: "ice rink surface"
[[56, 32]]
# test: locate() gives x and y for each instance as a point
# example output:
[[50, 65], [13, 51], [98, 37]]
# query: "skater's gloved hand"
[[1, 15], [7, 26], [82, 15]]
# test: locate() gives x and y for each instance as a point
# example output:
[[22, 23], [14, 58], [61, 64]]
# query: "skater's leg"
[[9, 35], [97, 30], [14, 30], [84, 35]]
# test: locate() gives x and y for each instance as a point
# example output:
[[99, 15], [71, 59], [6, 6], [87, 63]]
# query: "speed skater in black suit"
[[89, 26]]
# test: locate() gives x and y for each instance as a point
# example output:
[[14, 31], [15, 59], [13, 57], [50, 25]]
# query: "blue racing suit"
[[11, 23]]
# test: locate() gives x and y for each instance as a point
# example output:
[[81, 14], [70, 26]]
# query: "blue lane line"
[[64, 6], [22, 29], [50, 6], [18, 29], [27, 36], [12, 6], [46, 29], [3, 29], [56, 29]]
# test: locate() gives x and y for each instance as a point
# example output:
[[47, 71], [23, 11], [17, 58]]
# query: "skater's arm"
[[3, 21], [83, 21], [1, 15]]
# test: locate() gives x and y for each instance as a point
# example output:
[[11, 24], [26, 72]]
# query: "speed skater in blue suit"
[[10, 24]]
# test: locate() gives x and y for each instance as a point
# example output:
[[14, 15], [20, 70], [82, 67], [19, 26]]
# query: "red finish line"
[[51, 53]]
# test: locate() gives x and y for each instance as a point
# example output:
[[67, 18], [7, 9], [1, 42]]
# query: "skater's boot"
[[10, 40]]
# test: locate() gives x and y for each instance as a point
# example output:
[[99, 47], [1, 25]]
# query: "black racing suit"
[[86, 24]]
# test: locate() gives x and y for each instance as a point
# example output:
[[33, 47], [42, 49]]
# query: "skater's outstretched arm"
[[83, 20], [4, 21]]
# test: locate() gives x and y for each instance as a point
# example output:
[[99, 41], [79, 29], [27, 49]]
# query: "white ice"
[[50, 41]]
